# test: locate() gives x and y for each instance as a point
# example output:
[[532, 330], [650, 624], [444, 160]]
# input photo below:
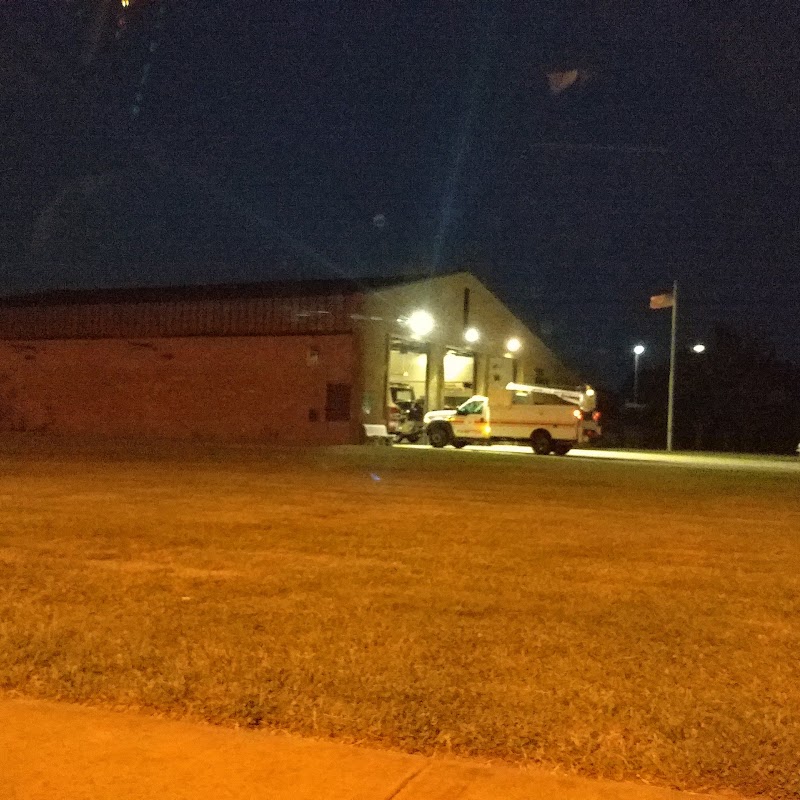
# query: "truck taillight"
[[596, 416]]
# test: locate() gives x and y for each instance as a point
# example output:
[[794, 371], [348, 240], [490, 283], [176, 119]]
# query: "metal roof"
[[232, 291]]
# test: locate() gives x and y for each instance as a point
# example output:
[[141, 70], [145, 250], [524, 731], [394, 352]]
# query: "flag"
[[666, 300]]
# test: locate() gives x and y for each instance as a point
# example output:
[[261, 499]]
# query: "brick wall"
[[271, 389]]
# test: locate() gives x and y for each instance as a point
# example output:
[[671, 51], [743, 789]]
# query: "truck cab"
[[399, 402]]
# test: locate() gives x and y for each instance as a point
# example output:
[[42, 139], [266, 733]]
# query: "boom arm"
[[586, 400]]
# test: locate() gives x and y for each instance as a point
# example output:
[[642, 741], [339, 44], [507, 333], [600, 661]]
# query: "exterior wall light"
[[513, 345], [420, 323], [472, 335]]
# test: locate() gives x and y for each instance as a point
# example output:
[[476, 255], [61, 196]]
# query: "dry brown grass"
[[630, 621]]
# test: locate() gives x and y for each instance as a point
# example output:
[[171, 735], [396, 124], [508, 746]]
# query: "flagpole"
[[671, 396]]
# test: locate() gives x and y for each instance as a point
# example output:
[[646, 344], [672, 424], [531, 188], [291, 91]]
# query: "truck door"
[[471, 420]]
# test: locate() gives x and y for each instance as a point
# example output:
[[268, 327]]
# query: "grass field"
[[629, 621]]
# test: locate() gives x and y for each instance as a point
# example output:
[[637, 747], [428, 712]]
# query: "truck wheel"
[[541, 443], [459, 443], [438, 435], [561, 448]]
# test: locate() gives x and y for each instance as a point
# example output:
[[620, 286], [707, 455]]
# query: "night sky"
[[325, 139]]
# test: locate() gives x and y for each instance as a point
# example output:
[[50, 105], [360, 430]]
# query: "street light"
[[698, 348], [637, 351]]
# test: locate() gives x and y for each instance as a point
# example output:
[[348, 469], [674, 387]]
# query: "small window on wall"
[[337, 403]]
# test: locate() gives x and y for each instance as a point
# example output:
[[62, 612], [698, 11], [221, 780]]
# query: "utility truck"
[[549, 419]]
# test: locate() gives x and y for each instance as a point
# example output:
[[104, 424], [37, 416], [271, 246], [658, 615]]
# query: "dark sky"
[[324, 138]]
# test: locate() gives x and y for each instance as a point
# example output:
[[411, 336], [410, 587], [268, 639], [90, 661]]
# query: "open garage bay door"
[[459, 377], [408, 372]]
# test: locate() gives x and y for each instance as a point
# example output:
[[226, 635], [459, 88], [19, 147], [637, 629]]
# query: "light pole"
[[637, 351], [669, 300], [700, 392]]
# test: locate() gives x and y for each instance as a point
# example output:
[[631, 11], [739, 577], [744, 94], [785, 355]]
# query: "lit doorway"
[[408, 374], [459, 377]]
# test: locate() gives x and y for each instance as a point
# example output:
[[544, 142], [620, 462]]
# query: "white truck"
[[520, 413]]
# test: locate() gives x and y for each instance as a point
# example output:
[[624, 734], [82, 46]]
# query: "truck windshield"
[[470, 407], [403, 396]]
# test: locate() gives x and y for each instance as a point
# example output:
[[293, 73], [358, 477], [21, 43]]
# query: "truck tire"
[[541, 443], [439, 435], [561, 448], [459, 443]]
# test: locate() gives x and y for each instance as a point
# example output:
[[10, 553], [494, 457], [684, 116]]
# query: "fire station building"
[[305, 362]]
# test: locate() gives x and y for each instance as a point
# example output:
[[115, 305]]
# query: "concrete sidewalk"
[[55, 751]]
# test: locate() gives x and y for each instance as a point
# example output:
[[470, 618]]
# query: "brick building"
[[304, 362]]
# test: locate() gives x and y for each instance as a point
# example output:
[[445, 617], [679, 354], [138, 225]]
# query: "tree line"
[[737, 396]]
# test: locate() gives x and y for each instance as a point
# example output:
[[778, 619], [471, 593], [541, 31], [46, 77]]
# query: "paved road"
[[781, 464]]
